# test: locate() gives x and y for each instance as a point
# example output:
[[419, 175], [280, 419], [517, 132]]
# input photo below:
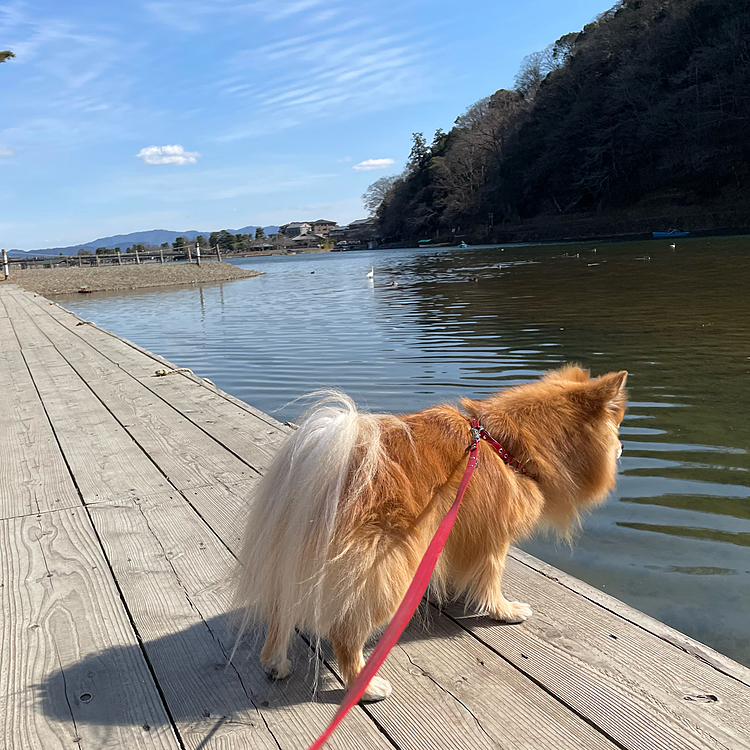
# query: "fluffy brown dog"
[[342, 517]]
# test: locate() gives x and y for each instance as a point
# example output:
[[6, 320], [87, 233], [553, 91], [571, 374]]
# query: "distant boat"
[[671, 233], [463, 244]]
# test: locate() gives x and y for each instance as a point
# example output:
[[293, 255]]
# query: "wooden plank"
[[8, 339], [176, 578], [224, 508], [249, 437], [33, 475], [61, 610], [104, 459], [636, 687], [682, 641], [29, 336]]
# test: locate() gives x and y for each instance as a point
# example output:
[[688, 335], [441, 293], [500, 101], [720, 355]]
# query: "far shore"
[[49, 282]]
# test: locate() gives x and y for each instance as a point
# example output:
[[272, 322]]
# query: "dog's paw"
[[378, 689], [512, 612], [277, 669]]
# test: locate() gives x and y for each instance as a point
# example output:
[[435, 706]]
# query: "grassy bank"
[[110, 278]]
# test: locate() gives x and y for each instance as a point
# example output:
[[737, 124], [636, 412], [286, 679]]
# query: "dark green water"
[[674, 539]]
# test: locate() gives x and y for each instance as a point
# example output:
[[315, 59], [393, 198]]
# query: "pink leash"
[[413, 595]]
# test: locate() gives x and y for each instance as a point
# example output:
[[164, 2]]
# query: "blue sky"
[[272, 106]]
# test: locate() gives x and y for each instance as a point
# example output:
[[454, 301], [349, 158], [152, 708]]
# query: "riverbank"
[[112, 278]]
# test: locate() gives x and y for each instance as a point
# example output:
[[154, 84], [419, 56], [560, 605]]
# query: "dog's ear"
[[469, 406], [609, 390]]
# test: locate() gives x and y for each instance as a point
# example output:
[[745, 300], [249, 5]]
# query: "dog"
[[342, 517]]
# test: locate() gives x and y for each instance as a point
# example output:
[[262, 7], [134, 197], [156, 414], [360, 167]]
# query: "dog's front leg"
[[485, 591]]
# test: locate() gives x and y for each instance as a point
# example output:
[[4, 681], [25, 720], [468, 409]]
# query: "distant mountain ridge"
[[151, 237]]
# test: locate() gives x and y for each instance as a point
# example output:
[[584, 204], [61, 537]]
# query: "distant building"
[[360, 229], [296, 228], [307, 240], [323, 227]]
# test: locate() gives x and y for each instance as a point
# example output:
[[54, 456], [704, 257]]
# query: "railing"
[[189, 254]]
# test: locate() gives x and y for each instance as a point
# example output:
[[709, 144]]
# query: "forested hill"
[[641, 117]]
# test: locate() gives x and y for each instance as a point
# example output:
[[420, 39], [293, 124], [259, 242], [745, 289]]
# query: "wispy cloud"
[[167, 155], [326, 65], [7, 152], [191, 16], [369, 164]]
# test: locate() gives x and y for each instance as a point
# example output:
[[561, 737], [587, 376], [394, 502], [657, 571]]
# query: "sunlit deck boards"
[[121, 498]]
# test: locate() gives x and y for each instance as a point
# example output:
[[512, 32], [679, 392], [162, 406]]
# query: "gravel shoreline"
[[49, 282]]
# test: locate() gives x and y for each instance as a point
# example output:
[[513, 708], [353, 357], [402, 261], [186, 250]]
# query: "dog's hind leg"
[[347, 647], [273, 655]]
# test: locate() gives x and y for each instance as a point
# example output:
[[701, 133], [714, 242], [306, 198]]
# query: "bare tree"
[[374, 196]]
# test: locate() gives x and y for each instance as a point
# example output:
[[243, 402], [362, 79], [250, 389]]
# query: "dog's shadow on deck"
[[114, 687]]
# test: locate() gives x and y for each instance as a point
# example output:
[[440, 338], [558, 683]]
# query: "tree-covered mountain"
[[641, 116], [153, 237]]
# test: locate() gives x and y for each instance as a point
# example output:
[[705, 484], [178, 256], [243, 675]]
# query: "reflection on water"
[[673, 540]]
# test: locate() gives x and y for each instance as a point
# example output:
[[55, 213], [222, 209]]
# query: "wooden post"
[[137, 257], [218, 253], [190, 255], [80, 262], [119, 258], [161, 255], [5, 264], [98, 260], [198, 254]]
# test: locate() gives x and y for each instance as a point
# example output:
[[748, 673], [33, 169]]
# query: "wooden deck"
[[121, 499]]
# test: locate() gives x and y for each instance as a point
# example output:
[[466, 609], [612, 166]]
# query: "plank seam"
[[40, 513], [445, 690]]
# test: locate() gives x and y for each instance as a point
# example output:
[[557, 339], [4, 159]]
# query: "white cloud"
[[167, 155], [7, 153], [368, 164]]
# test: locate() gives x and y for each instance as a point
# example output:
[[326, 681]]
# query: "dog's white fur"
[[286, 570]]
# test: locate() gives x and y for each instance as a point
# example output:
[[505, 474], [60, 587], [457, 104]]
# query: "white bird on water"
[[371, 273], [673, 246]]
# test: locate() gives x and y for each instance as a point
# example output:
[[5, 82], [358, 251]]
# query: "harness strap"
[[481, 433]]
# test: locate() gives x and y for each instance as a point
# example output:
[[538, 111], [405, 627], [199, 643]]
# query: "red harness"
[[418, 586], [479, 433]]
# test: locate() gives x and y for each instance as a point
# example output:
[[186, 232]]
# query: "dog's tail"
[[323, 466]]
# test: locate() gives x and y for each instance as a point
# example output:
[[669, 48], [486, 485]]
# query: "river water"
[[674, 538]]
